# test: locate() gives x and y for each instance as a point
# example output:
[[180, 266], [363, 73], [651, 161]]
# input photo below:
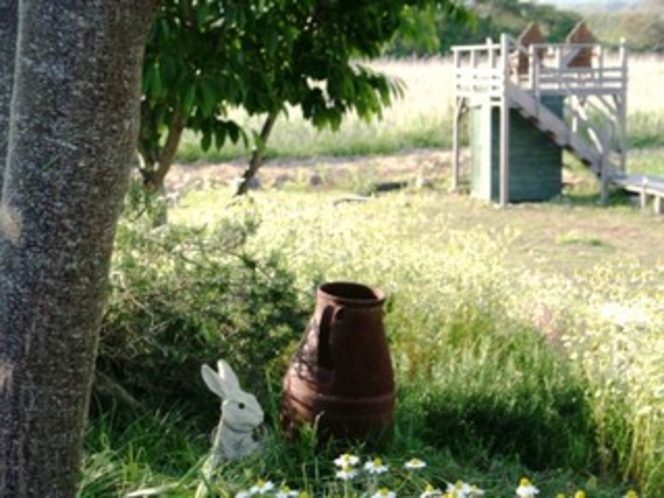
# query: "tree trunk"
[[8, 24], [155, 173], [257, 155], [74, 120], [156, 160]]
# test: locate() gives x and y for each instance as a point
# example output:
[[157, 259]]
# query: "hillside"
[[595, 6]]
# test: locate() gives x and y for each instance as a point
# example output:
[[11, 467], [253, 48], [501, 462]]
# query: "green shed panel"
[[535, 161]]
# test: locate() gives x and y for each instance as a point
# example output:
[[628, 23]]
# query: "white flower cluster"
[[347, 471], [348, 468]]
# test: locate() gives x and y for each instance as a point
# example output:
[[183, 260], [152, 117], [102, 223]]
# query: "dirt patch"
[[410, 166]]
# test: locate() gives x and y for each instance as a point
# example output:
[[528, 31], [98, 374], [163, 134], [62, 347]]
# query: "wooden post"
[[604, 142], [455, 144], [455, 125], [621, 103], [643, 195], [492, 54], [604, 182], [532, 68], [473, 65], [504, 124], [600, 66]]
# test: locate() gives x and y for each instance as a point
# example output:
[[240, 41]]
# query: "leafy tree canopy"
[[642, 27], [492, 19], [207, 56]]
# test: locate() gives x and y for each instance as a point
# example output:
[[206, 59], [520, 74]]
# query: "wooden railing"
[[510, 75], [552, 74], [479, 69], [483, 68]]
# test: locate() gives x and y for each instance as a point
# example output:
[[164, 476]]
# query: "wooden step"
[[554, 127]]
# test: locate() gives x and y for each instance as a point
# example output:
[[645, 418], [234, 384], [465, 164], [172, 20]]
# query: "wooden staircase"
[[512, 75], [558, 130]]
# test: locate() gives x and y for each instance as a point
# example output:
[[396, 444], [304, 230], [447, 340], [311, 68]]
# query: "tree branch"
[[153, 178], [257, 155]]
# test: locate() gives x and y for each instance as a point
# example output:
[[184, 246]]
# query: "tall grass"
[[503, 369], [495, 362], [423, 117], [461, 319], [420, 119]]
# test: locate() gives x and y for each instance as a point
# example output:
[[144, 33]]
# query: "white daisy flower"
[[462, 489], [346, 473], [261, 487], [384, 493], [346, 460], [475, 492], [526, 489], [458, 489], [415, 464], [375, 466], [286, 492], [431, 492]]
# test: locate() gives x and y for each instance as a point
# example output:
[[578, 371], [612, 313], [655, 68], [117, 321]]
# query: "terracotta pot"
[[341, 376]]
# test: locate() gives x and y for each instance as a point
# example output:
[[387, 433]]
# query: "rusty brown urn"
[[341, 377]]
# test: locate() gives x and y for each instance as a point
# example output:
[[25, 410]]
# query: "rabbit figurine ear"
[[228, 378], [224, 382], [213, 382]]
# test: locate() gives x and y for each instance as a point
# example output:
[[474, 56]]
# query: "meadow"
[[527, 341], [422, 118]]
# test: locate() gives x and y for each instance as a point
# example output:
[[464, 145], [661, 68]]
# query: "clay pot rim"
[[327, 291]]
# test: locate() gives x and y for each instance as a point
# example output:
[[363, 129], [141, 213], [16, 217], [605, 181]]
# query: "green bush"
[[185, 296]]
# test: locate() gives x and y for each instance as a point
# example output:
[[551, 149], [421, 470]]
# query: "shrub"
[[185, 296]]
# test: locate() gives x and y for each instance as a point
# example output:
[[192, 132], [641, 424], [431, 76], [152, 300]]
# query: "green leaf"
[[206, 141], [202, 12], [219, 136], [208, 98], [233, 132], [156, 89], [189, 99]]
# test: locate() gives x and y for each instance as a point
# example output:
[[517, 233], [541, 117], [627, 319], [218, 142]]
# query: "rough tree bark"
[[256, 160], [74, 118], [8, 23]]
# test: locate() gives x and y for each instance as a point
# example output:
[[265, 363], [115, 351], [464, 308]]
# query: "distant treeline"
[[430, 32]]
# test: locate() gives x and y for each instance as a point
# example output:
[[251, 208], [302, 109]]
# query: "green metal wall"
[[535, 161]]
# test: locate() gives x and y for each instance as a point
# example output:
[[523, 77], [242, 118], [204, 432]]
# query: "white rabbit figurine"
[[240, 415]]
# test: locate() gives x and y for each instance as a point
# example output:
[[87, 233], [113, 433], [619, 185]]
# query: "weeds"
[[540, 366], [502, 372]]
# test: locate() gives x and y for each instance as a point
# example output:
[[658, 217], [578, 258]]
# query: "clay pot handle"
[[331, 315]]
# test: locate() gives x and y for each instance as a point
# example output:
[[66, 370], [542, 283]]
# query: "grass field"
[[527, 341], [423, 118], [465, 280]]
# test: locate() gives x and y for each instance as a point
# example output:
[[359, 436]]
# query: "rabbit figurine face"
[[241, 413]]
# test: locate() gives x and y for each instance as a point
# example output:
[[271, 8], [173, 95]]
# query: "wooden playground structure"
[[518, 78]]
